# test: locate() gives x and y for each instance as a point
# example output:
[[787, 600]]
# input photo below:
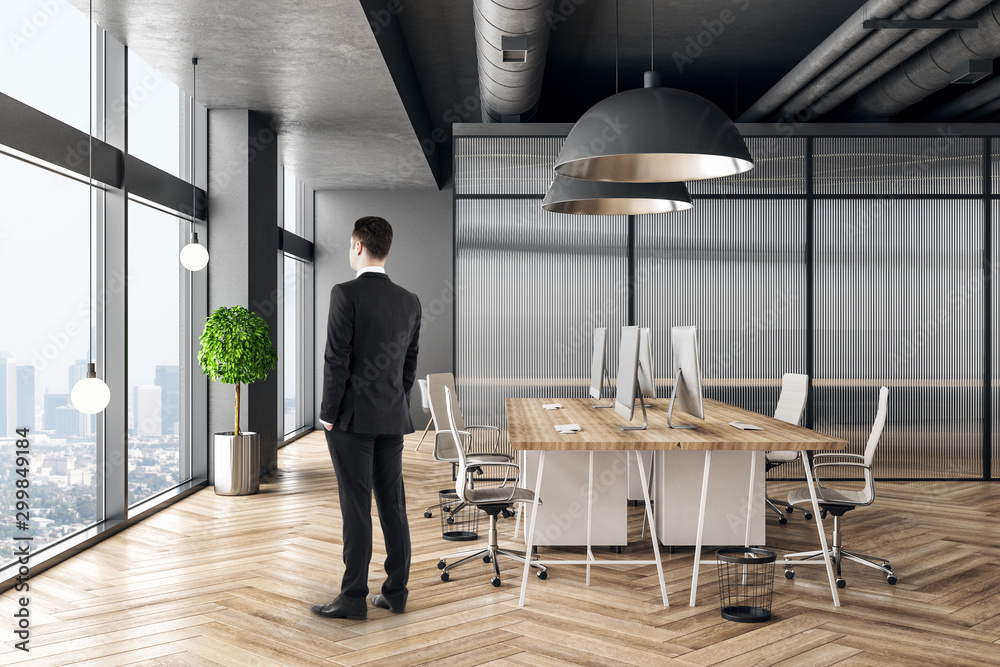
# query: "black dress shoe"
[[380, 602], [338, 609]]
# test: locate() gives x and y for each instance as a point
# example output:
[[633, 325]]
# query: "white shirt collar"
[[371, 269]]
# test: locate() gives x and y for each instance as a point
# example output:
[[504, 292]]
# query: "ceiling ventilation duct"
[[512, 38], [930, 69]]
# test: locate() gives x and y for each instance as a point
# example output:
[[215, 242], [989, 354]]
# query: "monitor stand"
[[610, 393], [670, 410], [645, 423]]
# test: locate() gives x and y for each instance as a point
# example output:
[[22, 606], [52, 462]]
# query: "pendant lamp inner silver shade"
[[574, 195], [652, 135]]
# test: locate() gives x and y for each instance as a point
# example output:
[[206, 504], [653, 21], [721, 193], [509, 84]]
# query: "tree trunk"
[[236, 404]]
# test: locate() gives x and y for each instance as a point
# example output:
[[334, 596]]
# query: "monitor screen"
[[628, 362], [687, 371], [647, 380], [597, 363]]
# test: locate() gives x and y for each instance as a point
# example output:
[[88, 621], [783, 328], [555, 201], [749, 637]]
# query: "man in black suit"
[[368, 371]]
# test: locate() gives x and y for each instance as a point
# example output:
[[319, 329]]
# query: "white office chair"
[[425, 405], [440, 396], [840, 501], [791, 406], [492, 500]]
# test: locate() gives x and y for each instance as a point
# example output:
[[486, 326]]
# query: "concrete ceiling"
[[314, 64]]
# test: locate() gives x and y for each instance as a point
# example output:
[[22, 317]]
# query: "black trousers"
[[366, 463]]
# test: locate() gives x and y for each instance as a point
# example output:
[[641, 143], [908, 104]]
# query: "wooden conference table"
[[531, 427]]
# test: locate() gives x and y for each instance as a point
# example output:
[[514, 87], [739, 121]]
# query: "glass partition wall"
[[858, 260]]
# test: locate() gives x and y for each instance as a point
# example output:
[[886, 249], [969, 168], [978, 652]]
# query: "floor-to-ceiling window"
[[44, 331], [125, 305], [296, 280]]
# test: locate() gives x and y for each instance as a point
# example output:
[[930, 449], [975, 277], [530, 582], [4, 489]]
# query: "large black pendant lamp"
[[575, 195], [653, 134], [592, 197]]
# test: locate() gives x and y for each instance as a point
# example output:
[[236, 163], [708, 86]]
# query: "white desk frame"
[[591, 560]]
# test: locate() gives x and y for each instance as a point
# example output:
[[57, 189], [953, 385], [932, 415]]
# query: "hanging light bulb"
[[194, 256], [90, 395]]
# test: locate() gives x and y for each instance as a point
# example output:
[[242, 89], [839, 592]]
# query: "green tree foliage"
[[236, 349]]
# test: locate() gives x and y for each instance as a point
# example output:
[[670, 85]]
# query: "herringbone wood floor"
[[229, 580]]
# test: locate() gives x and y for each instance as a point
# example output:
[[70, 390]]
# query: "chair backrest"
[[792, 400], [437, 383], [878, 426], [425, 396], [460, 478]]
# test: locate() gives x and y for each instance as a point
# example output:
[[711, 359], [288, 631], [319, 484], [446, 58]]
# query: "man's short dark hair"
[[375, 235]]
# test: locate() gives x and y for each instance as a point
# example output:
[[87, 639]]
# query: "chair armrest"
[[838, 464], [471, 468]]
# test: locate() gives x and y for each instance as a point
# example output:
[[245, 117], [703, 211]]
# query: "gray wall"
[[420, 260]]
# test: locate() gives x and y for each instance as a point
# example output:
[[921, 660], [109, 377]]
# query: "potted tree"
[[236, 349]]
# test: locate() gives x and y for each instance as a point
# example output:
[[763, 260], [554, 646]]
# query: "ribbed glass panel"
[[899, 302], [505, 165], [898, 165], [995, 167], [995, 271], [531, 286], [736, 269], [779, 168]]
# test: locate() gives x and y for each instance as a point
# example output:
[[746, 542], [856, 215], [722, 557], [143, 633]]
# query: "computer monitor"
[[647, 381], [628, 369], [687, 375], [598, 368]]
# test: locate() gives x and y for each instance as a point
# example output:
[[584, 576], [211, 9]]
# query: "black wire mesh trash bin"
[[746, 582], [459, 522]]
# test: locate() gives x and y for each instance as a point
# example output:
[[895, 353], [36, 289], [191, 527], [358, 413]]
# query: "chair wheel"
[[808, 515], [789, 508], [446, 508], [444, 576], [782, 520], [428, 514], [789, 574], [841, 583], [441, 564], [542, 574], [495, 581], [891, 579], [486, 558], [450, 520]]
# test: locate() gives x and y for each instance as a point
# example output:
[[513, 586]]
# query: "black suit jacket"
[[371, 356]]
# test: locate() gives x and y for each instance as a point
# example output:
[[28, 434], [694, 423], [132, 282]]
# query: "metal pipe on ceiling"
[[970, 102], [867, 50], [894, 56], [991, 108], [929, 70], [828, 52], [509, 90]]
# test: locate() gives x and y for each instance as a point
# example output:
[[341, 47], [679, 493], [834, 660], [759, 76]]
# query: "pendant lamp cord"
[[194, 140], [90, 183], [616, 47], [651, 67]]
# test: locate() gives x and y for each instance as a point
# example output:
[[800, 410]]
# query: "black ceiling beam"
[[919, 24], [383, 18]]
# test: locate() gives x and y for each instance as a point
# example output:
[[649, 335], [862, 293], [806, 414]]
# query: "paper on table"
[[743, 426], [551, 406], [567, 428]]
